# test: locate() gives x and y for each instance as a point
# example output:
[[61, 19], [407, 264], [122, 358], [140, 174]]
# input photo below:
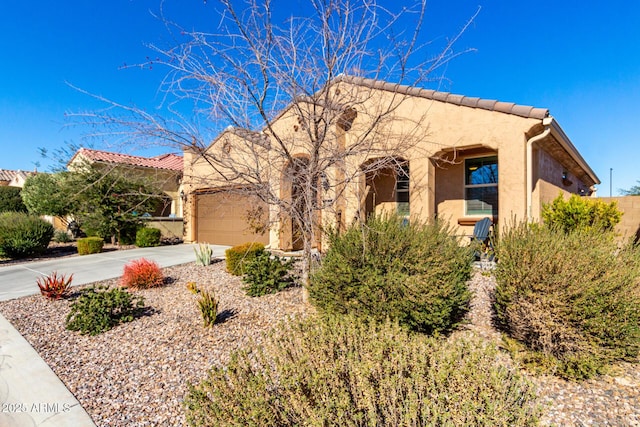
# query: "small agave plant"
[[54, 286], [203, 254]]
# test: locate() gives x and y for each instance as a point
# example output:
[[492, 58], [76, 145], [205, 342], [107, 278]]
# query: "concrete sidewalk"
[[30, 392]]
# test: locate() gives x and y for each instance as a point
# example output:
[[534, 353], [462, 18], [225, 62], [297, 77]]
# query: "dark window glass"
[[402, 190], [481, 186], [481, 171]]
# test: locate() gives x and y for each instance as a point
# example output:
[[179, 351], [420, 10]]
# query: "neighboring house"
[[13, 178], [473, 158], [164, 171]]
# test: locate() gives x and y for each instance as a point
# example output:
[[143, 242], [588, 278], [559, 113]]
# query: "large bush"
[[345, 372], [23, 234], [10, 200], [414, 273], [99, 309], [148, 237], [581, 212], [573, 299], [238, 257], [267, 274]]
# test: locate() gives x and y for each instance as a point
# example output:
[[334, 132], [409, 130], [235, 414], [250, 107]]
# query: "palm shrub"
[[99, 309], [343, 371], [147, 237], [571, 299], [23, 234], [414, 273], [267, 274], [239, 256]]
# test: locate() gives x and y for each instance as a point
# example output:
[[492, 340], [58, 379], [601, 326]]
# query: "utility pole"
[[610, 182]]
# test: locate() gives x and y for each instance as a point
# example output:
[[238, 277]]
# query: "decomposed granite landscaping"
[[137, 373]]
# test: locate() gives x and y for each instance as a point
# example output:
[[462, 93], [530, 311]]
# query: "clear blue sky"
[[580, 59]]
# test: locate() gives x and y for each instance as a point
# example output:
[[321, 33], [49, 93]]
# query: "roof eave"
[[563, 139]]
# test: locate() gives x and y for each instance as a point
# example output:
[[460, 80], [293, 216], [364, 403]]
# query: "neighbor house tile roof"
[[164, 161], [466, 101], [8, 175]]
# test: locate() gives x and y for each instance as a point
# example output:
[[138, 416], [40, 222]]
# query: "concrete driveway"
[[18, 280]]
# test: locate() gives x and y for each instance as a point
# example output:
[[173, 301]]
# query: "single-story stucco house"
[[472, 158], [13, 178], [163, 171]]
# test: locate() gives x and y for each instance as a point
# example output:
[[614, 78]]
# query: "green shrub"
[[345, 372], [147, 237], [23, 234], [10, 200], [581, 212], [90, 245], [98, 309], [127, 233], [61, 236], [572, 299], [203, 254], [239, 256], [267, 274], [414, 273]]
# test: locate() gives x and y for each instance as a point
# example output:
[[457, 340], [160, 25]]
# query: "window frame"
[[466, 187], [403, 174]]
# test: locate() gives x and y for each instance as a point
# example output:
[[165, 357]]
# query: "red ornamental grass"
[[141, 274], [54, 286]]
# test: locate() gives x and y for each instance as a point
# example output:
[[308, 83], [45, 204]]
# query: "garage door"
[[221, 219]]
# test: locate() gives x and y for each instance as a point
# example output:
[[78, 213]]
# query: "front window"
[[481, 186], [402, 190]]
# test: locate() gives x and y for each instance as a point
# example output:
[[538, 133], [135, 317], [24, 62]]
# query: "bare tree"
[[302, 99]]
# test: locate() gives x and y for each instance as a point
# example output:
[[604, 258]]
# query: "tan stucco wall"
[[629, 226], [436, 137], [169, 227], [548, 180], [440, 128]]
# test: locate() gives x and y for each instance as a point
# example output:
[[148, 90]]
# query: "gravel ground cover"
[[610, 400], [136, 374]]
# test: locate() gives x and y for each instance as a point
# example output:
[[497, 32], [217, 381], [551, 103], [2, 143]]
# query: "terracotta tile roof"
[[465, 101], [163, 161], [8, 175]]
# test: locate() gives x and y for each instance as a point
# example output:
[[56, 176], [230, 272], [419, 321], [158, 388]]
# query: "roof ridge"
[[526, 111]]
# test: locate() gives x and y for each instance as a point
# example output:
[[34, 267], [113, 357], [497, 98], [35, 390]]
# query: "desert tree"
[[633, 191], [105, 200], [287, 108]]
